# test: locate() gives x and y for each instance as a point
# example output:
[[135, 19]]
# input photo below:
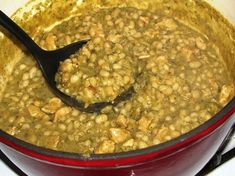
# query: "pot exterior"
[[187, 160]]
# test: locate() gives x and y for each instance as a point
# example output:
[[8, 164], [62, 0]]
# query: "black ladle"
[[49, 61]]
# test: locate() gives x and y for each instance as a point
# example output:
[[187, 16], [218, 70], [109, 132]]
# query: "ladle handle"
[[21, 35]]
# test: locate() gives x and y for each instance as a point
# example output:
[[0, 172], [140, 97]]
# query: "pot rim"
[[159, 150]]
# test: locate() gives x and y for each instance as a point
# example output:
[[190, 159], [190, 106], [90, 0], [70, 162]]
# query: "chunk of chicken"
[[107, 146], [119, 135]]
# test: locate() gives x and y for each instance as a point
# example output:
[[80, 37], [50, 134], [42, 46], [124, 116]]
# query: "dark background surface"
[[11, 165]]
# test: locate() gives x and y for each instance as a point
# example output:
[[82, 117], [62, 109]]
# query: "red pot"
[[185, 155]]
